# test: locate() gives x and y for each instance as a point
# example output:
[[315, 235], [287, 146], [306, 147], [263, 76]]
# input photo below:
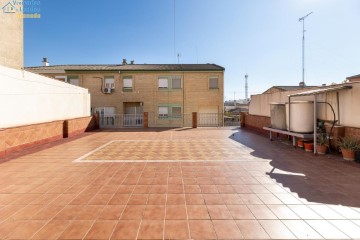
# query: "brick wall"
[[77, 126], [18, 138], [351, 131], [256, 123]]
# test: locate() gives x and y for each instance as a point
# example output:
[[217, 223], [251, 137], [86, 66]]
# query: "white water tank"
[[278, 115], [302, 116]]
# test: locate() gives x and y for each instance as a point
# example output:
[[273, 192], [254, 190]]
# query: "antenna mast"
[[303, 48]]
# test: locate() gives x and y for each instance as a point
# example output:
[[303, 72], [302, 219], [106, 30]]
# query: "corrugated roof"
[[287, 88], [321, 90], [129, 67], [355, 76]]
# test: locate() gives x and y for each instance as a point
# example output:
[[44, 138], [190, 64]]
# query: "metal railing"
[[121, 120], [210, 119]]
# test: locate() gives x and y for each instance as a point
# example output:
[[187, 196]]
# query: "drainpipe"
[[315, 123]]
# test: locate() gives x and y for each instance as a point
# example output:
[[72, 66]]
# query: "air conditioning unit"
[[107, 90]]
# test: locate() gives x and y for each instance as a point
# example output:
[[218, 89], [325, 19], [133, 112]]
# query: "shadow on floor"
[[323, 179]]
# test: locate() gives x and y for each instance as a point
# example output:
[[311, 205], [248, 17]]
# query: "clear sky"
[[258, 37]]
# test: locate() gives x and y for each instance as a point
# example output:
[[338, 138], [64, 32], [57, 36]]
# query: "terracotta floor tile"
[[69, 212], [346, 226], [225, 189], [155, 212], [176, 212], [276, 229], [213, 199], [240, 212], [175, 199], [142, 189], [268, 198], [26, 229], [101, 230], [158, 189], [304, 212], [194, 199], [52, 230], [76, 229], [119, 199], [231, 199], [208, 189], [192, 189], [250, 198], [111, 212], [101, 199], [133, 212], [325, 212], [157, 199], [301, 229], [9, 210], [63, 199], [90, 212], [44, 199], [47, 213], [218, 212], [201, 229], [252, 229], [197, 212], [326, 229], [226, 229], [346, 212], [175, 189], [176, 229], [7, 227], [138, 199], [283, 212], [27, 212], [261, 212], [126, 229], [151, 229]]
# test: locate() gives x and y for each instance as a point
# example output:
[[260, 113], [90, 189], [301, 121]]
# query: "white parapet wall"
[[28, 98]]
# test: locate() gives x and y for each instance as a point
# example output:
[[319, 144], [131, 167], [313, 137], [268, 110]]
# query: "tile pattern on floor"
[[166, 150], [284, 193]]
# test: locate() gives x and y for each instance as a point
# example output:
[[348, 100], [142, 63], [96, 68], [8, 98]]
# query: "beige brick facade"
[[194, 95], [11, 38]]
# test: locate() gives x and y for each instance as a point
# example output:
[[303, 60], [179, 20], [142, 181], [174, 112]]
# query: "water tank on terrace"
[[302, 116], [278, 115]]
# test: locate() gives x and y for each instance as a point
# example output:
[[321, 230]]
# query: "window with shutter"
[[213, 83]]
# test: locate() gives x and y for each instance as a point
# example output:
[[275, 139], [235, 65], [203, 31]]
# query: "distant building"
[[355, 78], [170, 93]]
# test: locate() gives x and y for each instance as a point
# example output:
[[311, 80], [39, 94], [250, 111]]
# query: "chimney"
[[45, 62], [132, 62], [301, 84], [124, 61]]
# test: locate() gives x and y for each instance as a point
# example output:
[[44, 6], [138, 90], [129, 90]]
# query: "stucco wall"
[[349, 114], [11, 39], [27, 98]]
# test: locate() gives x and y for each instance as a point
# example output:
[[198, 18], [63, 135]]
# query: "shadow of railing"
[[321, 179]]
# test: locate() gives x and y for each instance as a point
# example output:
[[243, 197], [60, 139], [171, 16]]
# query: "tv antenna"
[[303, 47]]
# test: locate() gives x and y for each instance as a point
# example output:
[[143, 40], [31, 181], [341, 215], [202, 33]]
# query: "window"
[[163, 112], [61, 78], [127, 83], [74, 80], [109, 82], [176, 112], [176, 83], [163, 83], [169, 112], [213, 83], [171, 82]]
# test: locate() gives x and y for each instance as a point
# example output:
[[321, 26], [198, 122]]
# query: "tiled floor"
[[269, 191]]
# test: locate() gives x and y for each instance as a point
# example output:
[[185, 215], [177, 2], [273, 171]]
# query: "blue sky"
[[258, 37]]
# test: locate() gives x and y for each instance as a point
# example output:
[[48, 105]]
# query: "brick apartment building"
[[169, 93]]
